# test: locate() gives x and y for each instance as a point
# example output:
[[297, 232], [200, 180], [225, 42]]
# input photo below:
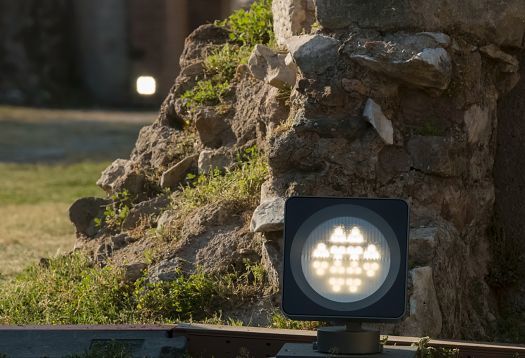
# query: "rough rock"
[[133, 272], [477, 123], [226, 251], [214, 131], [272, 261], [159, 146], [164, 220], [172, 177], [111, 174], [511, 62], [434, 155], [146, 210], [268, 216], [373, 114], [425, 315], [271, 67], [133, 181], [355, 86], [392, 162], [490, 21], [166, 270], [422, 245], [83, 213], [429, 68], [119, 241], [199, 41], [291, 18], [313, 54], [210, 160]]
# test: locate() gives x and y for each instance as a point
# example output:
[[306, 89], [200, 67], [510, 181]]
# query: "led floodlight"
[[345, 260]]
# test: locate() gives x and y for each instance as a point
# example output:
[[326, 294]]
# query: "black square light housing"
[[366, 282]]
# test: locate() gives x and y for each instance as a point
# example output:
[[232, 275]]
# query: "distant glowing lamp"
[[345, 260], [146, 85]]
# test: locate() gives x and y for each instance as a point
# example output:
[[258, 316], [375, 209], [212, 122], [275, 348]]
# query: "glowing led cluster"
[[346, 259]]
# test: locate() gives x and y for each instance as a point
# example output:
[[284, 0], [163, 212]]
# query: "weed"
[[424, 350], [117, 211], [247, 28], [206, 92], [69, 290], [223, 62], [280, 321], [240, 185], [73, 290], [253, 26]]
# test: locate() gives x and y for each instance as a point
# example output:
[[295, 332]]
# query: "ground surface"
[[49, 158]]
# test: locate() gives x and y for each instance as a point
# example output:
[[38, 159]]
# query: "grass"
[[72, 290], [34, 200], [247, 28], [241, 185]]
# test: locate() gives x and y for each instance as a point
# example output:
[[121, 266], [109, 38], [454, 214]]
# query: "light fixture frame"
[[300, 305]]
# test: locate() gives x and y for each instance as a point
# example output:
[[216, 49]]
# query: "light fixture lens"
[[146, 85], [345, 259]]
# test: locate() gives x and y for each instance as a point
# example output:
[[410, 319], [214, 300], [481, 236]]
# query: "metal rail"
[[198, 339]]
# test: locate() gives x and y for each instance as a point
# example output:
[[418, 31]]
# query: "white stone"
[[374, 115], [272, 68], [111, 174], [268, 216]]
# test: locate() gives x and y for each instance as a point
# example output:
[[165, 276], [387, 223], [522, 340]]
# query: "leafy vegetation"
[[251, 27], [117, 211], [247, 28], [424, 350], [281, 322], [240, 185], [73, 290]]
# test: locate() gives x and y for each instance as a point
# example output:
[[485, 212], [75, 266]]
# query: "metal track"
[[198, 339]]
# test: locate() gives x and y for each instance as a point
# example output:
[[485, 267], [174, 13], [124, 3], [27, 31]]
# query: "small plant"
[[206, 92], [424, 350], [253, 26], [222, 63], [247, 28], [240, 185], [117, 211], [280, 321]]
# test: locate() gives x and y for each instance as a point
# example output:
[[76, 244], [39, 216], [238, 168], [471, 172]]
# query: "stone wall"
[[383, 102], [413, 114]]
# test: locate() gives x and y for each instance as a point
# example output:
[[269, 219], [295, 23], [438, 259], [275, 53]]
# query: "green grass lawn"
[[34, 202]]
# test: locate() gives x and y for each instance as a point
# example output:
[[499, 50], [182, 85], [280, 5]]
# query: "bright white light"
[[346, 263], [338, 236], [355, 236], [371, 253], [321, 251], [146, 85]]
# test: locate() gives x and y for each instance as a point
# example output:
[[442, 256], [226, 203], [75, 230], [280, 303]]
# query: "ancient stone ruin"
[[394, 98]]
